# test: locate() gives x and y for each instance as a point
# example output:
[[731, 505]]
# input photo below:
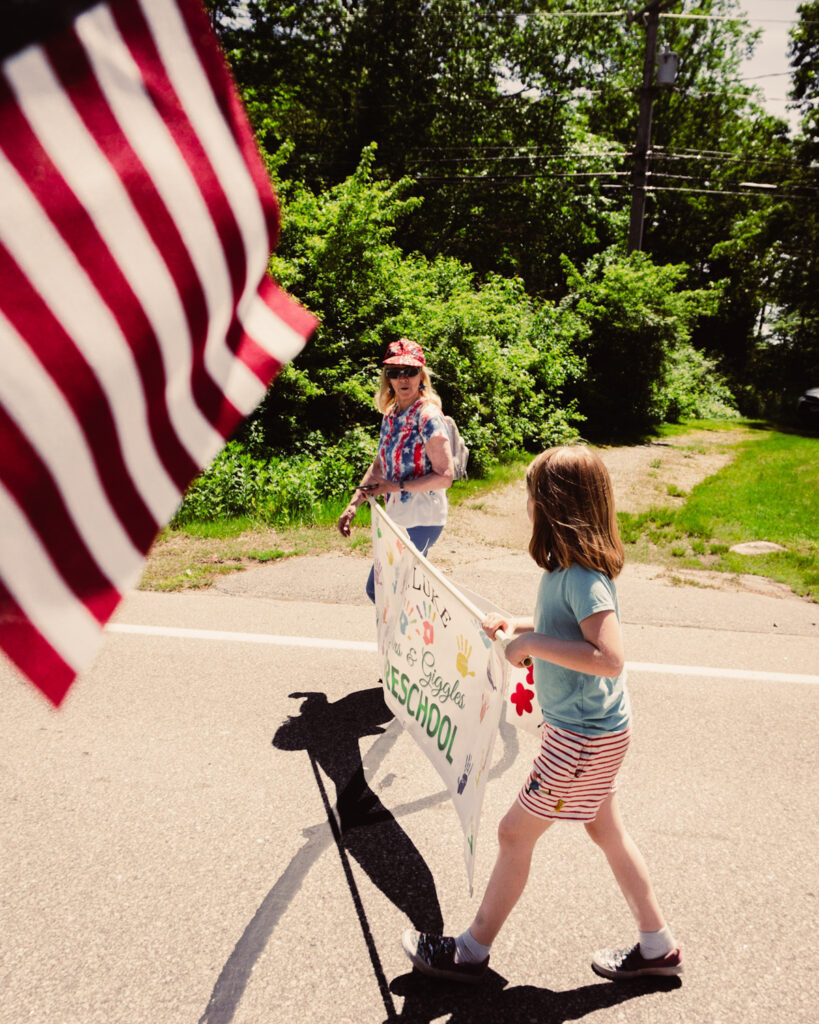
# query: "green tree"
[[636, 318], [502, 361], [769, 261]]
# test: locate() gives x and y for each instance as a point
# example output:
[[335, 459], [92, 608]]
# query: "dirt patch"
[[660, 473], [663, 472]]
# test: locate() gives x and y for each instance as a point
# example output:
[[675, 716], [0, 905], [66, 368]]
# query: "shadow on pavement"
[[329, 732], [491, 1002], [329, 735]]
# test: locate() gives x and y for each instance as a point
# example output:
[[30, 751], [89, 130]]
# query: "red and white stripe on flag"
[[138, 326]]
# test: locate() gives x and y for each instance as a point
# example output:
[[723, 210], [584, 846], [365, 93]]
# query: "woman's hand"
[[345, 520], [376, 488]]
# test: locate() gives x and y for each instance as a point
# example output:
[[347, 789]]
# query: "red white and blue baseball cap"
[[405, 353]]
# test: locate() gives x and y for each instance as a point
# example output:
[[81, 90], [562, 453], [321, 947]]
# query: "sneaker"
[[630, 963], [435, 955]]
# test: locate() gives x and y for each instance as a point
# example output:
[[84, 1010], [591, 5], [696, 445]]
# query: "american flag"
[[138, 326]]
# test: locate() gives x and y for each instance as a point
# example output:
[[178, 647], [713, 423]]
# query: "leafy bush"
[[693, 388], [278, 491], [634, 317], [501, 362]]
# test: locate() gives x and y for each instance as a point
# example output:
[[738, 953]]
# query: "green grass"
[[324, 514], [769, 492], [687, 426], [193, 555]]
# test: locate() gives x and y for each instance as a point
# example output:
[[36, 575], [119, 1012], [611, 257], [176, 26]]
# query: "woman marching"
[[577, 647], [413, 467]]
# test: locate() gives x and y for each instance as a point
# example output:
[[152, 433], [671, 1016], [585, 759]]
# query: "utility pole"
[[650, 16]]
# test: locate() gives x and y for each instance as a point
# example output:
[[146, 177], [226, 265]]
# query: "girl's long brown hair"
[[573, 517]]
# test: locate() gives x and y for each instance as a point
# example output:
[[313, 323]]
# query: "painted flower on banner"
[[522, 699], [429, 633]]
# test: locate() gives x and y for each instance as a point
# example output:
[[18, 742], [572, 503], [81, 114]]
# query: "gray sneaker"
[[630, 963]]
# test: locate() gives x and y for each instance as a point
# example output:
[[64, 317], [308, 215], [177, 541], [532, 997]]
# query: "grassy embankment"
[[770, 491], [192, 556]]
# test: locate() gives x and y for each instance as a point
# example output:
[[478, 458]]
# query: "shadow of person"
[[491, 1002], [330, 732]]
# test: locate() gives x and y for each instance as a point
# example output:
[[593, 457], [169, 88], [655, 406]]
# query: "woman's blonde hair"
[[573, 517], [385, 396]]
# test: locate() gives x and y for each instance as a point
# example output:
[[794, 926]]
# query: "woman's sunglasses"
[[392, 372]]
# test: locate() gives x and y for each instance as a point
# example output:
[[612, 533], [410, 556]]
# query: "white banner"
[[522, 708], [444, 680]]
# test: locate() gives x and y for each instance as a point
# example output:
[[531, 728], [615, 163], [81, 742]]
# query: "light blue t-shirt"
[[573, 700]]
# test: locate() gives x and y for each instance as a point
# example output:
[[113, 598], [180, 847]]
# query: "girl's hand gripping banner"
[[444, 680]]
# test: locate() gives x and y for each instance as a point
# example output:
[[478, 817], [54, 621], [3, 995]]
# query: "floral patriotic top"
[[403, 457]]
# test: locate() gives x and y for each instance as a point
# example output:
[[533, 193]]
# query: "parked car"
[[807, 408]]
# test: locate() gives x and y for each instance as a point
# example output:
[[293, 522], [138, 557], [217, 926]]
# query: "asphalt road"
[[167, 856]]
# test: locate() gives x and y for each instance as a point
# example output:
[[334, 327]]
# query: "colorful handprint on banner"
[[462, 658], [464, 777]]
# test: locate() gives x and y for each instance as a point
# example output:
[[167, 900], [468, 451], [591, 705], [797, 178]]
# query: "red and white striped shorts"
[[573, 774]]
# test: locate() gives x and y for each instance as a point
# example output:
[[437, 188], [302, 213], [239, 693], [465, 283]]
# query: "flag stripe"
[[216, 112], [264, 346], [137, 323], [50, 266], [95, 210], [108, 150], [194, 213], [65, 481], [24, 475], [178, 88], [75, 221], [276, 326], [280, 323], [30, 652], [40, 590], [66, 379]]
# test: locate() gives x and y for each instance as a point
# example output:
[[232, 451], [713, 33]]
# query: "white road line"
[[244, 638], [721, 673], [328, 643]]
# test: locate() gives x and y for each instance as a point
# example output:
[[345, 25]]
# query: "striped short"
[[573, 774]]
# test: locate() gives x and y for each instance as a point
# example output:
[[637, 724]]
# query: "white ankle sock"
[[656, 944], [469, 950]]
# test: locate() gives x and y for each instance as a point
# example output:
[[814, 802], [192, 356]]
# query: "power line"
[[481, 178], [723, 192], [467, 156], [736, 20], [620, 13], [753, 190]]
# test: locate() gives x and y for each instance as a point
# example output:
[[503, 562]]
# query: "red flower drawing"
[[522, 699]]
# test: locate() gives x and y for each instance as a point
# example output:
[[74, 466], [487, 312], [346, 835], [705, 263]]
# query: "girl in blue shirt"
[[575, 642]]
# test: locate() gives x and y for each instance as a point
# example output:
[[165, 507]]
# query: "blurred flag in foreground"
[[138, 326]]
